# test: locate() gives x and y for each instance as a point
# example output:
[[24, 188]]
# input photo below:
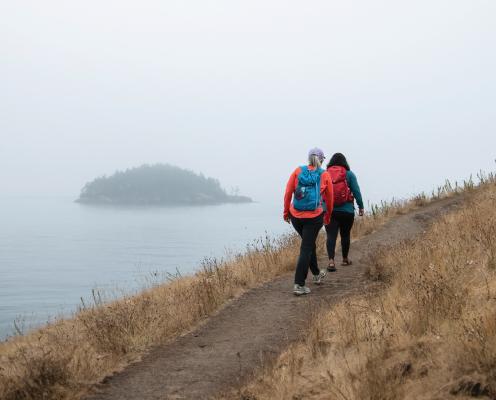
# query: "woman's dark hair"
[[340, 160]]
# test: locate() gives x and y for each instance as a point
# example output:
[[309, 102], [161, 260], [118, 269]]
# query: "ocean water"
[[53, 251]]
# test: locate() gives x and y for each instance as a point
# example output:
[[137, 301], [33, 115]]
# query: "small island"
[[159, 185]]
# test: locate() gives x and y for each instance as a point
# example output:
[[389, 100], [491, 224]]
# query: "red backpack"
[[342, 192]]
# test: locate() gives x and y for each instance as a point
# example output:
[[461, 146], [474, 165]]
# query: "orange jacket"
[[325, 190]]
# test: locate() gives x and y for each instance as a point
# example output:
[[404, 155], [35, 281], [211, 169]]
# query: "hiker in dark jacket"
[[346, 191]]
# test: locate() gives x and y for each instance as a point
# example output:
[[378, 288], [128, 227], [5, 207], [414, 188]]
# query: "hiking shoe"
[[299, 290], [317, 279], [332, 266]]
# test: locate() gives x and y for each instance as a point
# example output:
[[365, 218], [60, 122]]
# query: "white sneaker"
[[299, 290], [317, 279]]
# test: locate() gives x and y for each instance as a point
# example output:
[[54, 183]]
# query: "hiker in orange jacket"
[[308, 186]]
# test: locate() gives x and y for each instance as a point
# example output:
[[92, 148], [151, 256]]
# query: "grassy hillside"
[[62, 360], [427, 332]]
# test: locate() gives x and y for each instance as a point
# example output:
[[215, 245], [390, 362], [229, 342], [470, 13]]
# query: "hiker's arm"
[[329, 198], [288, 195], [355, 189]]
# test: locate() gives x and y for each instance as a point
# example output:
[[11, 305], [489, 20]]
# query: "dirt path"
[[227, 349]]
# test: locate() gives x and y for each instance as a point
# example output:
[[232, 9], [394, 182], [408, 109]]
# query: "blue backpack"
[[307, 193]]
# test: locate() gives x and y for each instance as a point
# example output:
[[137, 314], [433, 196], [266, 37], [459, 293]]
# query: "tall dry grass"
[[63, 359], [428, 333]]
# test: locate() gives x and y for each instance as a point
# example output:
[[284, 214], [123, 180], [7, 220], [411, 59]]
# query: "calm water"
[[54, 251]]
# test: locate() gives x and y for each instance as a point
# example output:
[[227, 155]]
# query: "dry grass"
[[63, 359], [429, 332]]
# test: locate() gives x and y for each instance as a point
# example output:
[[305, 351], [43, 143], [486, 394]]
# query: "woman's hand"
[[361, 212], [286, 217], [327, 218]]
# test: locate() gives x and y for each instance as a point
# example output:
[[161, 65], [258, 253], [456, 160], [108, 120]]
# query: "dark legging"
[[308, 229], [342, 221]]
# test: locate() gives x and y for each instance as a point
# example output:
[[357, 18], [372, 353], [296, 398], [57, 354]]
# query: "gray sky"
[[241, 89]]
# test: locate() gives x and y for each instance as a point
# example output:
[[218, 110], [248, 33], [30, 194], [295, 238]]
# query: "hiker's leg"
[[314, 265], [332, 235], [345, 226], [308, 237], [298, 226]]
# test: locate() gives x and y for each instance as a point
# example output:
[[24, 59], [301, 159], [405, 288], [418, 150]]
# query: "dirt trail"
[[233, 343]]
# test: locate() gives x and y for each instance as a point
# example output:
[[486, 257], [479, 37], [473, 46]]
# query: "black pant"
[[308, 229], [342, 221]]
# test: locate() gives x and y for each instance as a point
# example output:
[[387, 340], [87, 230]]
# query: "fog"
[[241, 90]]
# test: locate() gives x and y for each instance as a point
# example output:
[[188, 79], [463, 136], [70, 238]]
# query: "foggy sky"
[[240, 90]]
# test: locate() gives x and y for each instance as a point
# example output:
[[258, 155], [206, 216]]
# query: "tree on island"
[[158, 184]]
